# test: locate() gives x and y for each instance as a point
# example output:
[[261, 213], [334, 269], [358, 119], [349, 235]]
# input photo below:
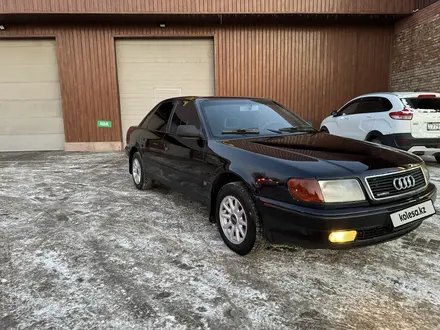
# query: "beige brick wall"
[[416, 52]]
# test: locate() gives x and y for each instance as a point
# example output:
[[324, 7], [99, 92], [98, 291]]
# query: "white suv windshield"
[[241, 116]]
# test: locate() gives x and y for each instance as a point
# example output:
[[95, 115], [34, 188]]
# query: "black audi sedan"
[[267, 176]]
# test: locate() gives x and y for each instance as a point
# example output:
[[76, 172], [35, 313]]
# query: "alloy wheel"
[[233, 219], [136, 171]]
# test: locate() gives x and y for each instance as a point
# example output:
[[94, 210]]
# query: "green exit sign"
[[104, 123]]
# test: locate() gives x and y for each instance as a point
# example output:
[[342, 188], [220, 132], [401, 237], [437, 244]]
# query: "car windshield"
[[239, 117]]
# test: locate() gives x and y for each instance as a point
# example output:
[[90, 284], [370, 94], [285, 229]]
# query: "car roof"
[[194, 98], [400, 95]]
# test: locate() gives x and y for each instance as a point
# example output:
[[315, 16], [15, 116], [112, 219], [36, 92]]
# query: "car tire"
[[245, 216], [377, 141], [437, 158], [140, 180], [325, 130]]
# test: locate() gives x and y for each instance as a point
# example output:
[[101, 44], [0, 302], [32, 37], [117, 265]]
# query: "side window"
[[386, 104], [185, 114], [144, 122], [349, 109], [159, 120], [374, 104]]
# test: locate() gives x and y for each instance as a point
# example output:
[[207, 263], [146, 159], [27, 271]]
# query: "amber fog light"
[[342, 236]]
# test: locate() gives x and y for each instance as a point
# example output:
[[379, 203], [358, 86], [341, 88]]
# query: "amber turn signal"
[[342, 236], [306, 190]]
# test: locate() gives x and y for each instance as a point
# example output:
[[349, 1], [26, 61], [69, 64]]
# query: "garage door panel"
[[30, 100], [150, 71], [178, 43], [30, 91], [165, 51], [32, 109], [141, 88], [35, 126], [31, 142], [27, 52], [28, 73], [138, 104]]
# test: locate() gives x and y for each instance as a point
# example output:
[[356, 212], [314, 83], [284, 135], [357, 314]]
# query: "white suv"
[[408, 121]]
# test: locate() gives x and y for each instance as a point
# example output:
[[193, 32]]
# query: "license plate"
[[412, 213], [433, 126]]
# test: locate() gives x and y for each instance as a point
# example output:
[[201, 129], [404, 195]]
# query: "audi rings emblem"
[[404, 183]]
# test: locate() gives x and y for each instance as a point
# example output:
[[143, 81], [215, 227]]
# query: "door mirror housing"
[[334, 113], [189, 131]]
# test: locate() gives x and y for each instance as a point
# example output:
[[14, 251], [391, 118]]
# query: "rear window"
[[423, 103]]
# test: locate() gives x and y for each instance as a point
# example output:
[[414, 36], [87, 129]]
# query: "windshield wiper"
[[297, 129], [274, 131], [302, 129], [242, 131]]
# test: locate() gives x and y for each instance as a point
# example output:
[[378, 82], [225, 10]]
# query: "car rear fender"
[[133, 150], [373, 135]]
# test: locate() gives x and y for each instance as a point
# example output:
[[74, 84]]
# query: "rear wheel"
[[238, 221], [140, 180], [376, 140], [324, 130]]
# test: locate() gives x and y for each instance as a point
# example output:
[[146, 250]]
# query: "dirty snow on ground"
[[81, 248]]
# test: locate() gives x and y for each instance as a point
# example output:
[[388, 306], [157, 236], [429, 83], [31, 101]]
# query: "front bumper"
[[405, 141], [297, 225]]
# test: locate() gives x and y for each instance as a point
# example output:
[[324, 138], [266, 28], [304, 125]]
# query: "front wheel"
[[377, 141], [325, 130], [238, 220]]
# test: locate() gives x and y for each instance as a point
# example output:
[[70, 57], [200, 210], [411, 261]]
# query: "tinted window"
[[374, 104], [424, 103], [349, 109], [159, 120], [185, 114], [265, 116]]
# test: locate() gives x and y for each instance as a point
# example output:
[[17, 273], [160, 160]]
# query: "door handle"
[[370, 116]]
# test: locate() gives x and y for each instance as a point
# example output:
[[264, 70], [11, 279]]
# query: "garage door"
[[152, 70], [30, 103]]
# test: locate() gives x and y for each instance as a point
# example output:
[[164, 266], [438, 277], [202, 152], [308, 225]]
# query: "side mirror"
[[334, 113], [189, 131]]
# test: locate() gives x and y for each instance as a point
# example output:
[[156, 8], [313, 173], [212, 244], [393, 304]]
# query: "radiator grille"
[[383, 187]]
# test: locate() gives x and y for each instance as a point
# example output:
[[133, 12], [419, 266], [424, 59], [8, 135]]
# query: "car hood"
[[323, 153]]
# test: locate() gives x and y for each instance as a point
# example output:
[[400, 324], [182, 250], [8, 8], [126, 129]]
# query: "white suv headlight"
[[340, 191]]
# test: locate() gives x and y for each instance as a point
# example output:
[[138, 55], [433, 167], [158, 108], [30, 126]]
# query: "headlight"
[[426, 171], [327, 191], [339, 191]]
